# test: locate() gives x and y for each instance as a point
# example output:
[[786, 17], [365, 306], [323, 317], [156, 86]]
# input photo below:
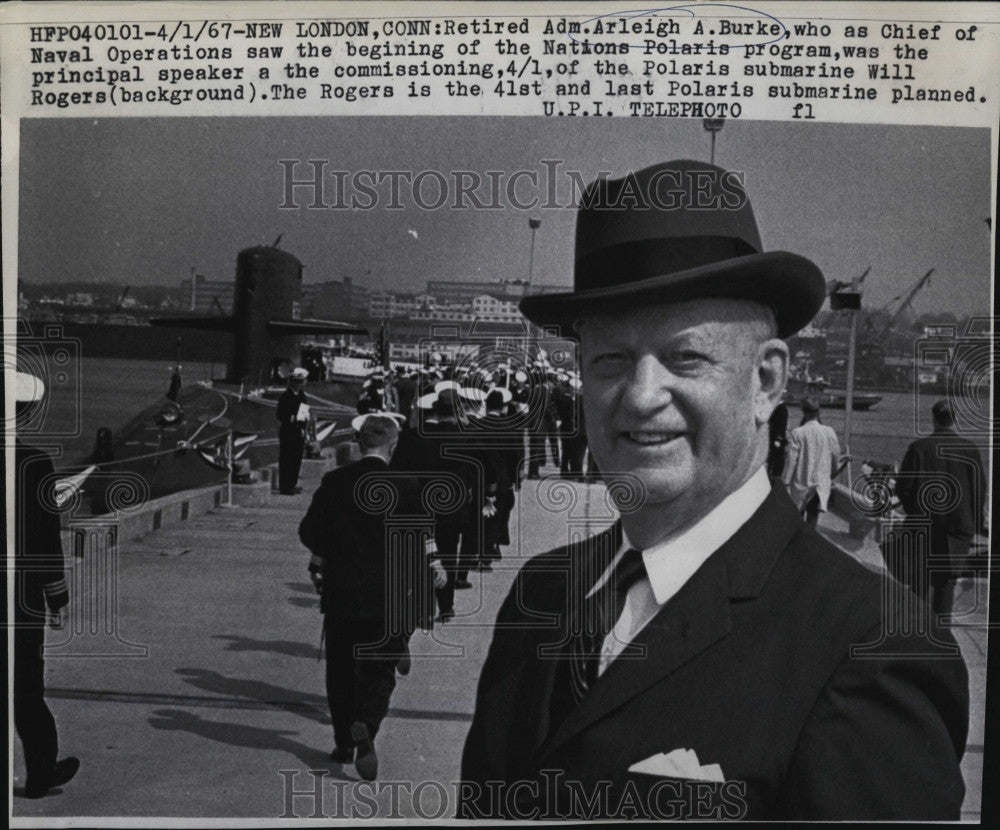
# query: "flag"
[[66, 488], [324, 428], [216, 453]]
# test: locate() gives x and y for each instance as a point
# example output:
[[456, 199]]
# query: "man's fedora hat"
[[681, 230]]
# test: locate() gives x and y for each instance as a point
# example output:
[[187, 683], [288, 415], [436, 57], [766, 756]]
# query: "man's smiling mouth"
[[650, 437]]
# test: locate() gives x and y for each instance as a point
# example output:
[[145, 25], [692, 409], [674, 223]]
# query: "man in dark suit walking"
[[944, 463], [709, 656], [373, 591]]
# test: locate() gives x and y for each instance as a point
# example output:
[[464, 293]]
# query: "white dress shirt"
[[674, 561]]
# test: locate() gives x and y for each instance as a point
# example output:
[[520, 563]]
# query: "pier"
[[188, 682]]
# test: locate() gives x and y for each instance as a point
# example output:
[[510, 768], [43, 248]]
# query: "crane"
[[833, 286], [121, 299], [875, 336], [908, 301]]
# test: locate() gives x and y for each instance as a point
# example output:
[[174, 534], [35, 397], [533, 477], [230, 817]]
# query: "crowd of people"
[[452, 444]]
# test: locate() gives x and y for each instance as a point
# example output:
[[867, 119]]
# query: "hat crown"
[[678, 231], [663, 219], [28, 388]]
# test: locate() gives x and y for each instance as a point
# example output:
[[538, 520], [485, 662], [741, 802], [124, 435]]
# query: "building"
[[382, 304], [80, 298], [335, 300], [487, 307], [454, 291], [208, 296]]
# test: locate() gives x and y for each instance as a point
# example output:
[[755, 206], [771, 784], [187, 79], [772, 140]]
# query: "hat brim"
[[28, 388], [790, 284]]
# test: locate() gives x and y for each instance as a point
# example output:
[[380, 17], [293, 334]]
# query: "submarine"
[[170, 446]]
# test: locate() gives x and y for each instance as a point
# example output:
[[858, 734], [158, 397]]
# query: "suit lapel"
[[543, 654], [694, 619]]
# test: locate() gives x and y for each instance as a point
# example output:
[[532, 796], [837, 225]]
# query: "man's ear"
[[771, 377]]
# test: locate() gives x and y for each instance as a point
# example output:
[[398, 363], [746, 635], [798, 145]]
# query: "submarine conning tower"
[[268, 286]]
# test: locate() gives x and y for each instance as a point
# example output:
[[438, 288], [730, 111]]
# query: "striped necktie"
[[601, 611]]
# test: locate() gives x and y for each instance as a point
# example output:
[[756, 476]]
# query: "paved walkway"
[[199, 693]]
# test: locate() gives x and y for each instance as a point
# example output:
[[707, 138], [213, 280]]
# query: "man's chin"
[[641, 489]]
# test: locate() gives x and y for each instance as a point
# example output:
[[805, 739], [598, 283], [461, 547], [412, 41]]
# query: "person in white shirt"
[[813, 456]]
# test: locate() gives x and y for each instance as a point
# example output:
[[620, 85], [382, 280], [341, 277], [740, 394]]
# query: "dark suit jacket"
[[363, 576], [40, 583], [944, 463], [288, 408], [749, 665], [449, 459]]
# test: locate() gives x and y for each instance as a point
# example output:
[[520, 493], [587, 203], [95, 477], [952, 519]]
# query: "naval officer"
[[40, 597], [374, 593], [710, 655], [293, 417]]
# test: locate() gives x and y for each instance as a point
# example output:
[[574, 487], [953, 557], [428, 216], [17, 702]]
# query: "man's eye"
[[687, 359], [609, 361]]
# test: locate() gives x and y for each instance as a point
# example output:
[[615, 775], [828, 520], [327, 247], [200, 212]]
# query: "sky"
[[143, 201]]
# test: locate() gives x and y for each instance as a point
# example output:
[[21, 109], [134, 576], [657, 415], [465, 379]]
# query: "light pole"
[[534, 224], [713, 125], [849, 301]]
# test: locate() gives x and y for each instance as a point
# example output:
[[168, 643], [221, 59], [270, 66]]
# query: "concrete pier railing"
[[82, 532]]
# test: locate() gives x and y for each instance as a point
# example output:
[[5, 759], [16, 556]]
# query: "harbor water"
[[112, 391]]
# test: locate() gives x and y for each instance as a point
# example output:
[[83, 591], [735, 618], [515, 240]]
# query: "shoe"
[[366, 762], [485, 566], [342, 754], [445, 616], [61, 772], [296, 491], [462, 584], [405, 664]]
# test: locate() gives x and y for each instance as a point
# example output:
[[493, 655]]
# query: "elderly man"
[[695, 660]]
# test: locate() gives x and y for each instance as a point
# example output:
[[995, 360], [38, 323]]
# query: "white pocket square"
[[681, 763]]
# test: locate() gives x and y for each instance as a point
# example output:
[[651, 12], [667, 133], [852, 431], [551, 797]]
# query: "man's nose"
[[648, 388]]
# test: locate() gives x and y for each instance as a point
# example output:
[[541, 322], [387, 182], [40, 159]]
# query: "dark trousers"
[[811, 511], [927, 565], [776, 461], [360, 673], [32, 719], [574, 447], [536, 450], [951, 554], [450, 538], [291, 446], [497, 528]]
